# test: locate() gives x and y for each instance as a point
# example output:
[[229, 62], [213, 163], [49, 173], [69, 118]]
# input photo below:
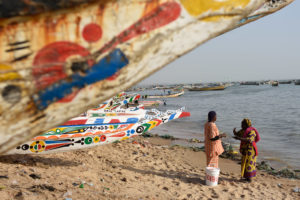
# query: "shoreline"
[[231, 154], [269, 157], [138, 168]]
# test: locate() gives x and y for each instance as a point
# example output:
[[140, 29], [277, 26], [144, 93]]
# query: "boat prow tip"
[[185, 114]]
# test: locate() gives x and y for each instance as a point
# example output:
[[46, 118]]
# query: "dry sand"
[[131, 171]]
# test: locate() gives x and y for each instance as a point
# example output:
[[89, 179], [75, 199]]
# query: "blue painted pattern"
[[99, 120], [172, 116], [249, 18], [105, 68], [132, 120]]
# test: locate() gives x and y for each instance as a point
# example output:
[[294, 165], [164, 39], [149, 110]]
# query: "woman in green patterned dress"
[[248, 136]]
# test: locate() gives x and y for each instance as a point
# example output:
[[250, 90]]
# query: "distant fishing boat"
[[166, 96], [151, 103], [249, 83], [275, 83], [285, 82], [297, 82], [208, 88]]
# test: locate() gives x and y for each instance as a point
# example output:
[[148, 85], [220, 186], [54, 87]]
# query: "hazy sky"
[[268, 48]]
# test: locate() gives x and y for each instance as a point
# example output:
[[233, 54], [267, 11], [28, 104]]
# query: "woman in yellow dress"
[[248, 136]]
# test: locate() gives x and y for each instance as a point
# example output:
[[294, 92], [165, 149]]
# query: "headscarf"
[[247, 131], [211, 115], [247, 122]]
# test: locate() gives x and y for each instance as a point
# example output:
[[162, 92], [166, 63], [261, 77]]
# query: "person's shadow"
[[182, 176]]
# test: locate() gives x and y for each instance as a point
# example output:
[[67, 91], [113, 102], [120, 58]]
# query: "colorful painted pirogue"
[[167, 95], [58, 58], [72, 138], [117, 101]]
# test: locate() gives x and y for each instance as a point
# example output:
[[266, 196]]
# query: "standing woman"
[[249, 136], [213, 145]]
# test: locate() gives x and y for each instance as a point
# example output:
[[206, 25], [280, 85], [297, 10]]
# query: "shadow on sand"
[[35, 160], [182, 176]]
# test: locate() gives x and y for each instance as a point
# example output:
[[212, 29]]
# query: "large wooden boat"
[[80, 136], [60, 58], [208, 88]]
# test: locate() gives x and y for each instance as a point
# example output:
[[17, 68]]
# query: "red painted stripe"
[[49, 147], [185, 114], [158, 17], [114, 121], [75, 122], [69, 97], [137, 97], [158, 122], [119, 135]]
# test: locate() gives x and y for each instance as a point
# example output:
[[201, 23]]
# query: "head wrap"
[[247, 122], [211, 115]]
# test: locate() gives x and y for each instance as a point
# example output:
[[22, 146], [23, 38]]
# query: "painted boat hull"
[[55, 64], [43, 145], [221, 87], [166, 96]]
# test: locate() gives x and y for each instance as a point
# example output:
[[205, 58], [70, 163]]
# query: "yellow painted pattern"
[[153, 124], [56, 130], [96, 139], [9, 75], [198, 7], [110, 114], [37, 146], [124, 138]]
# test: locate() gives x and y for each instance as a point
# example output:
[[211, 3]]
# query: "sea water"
[[274, 111]]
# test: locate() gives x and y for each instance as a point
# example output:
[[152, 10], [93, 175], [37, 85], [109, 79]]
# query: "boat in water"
[[151, 103], [297, 82], [208, 88], [59, 58], [250, 83], [166, 96], [285, 82], [275, 83]]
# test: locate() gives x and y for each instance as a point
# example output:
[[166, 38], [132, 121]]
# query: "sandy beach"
[[139, 168]]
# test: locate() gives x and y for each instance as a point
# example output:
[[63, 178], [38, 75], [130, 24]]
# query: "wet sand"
[[142, 168]]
